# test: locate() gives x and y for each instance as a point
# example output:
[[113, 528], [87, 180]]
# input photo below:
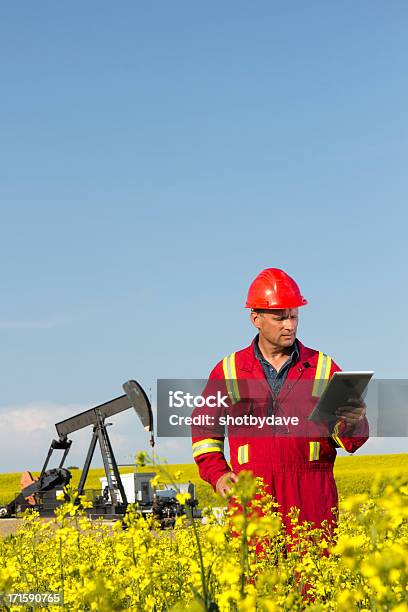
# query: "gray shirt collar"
[[294, 356]]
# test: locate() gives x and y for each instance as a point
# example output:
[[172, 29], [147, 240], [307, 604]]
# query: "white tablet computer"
[[341, 387]]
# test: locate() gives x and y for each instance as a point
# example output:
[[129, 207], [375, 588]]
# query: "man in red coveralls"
[[297, 468]]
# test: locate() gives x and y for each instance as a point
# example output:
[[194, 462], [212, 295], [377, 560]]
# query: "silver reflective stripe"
[[243, 454], [314, 451], [322, 374], [230, 376]]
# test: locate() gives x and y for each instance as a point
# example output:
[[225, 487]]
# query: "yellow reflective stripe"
[[230, 375], [314, 451], [319, 365], [234, 377], [224, 367], [324, 364], [243, 454], [208, 445], [213, 441], [335, 436]]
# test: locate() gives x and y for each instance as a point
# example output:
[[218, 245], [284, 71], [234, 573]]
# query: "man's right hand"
[[224, 483]]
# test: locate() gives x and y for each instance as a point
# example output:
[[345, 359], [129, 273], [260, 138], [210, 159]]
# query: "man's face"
[[277, 326]]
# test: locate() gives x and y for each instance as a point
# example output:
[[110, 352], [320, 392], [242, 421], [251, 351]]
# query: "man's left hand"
[[352, 412]]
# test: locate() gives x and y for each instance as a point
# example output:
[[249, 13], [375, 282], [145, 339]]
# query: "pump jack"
[[41, 493]]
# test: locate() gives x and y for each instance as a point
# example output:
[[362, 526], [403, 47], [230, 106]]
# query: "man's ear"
[[255, 318]]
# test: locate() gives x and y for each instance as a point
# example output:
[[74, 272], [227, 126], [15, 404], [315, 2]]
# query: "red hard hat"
[[273, 288]]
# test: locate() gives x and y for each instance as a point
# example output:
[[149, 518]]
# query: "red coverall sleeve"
[[208, 442], [349, 438]]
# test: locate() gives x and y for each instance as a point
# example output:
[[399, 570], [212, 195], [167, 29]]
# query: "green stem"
[[244, 547]]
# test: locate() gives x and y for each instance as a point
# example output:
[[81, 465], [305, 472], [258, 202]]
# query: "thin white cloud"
[[26, 432], [35, 323], [32, 418]]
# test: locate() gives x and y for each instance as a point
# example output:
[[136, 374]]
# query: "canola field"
[[353, 473], [247, 562]]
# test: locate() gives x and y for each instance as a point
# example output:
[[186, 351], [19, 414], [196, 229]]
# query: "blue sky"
[[154, 158]]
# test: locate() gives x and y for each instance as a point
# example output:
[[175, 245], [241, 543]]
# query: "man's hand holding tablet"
[[342, 399], [352, 412]]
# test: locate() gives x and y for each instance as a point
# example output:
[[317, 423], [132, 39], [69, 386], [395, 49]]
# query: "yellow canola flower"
[[182, 498], [195, 566], [155, 481]]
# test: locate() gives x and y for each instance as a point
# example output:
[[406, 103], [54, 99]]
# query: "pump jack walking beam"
[[134, 397]]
